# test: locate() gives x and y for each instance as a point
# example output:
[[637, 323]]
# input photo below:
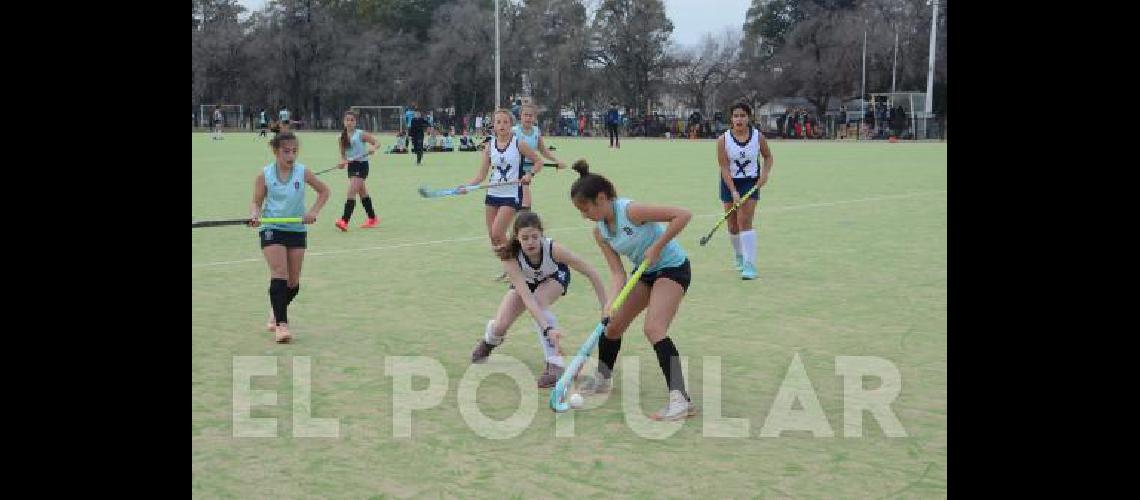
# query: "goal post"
[[380, 119]]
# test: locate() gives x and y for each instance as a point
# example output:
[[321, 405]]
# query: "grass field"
[[852, 262]]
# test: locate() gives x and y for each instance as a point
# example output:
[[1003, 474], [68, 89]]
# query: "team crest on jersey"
[[296, 184], [628, 230]]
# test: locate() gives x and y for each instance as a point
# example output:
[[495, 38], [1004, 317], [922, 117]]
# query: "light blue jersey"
[[284, 199], [355, 149], [631, 240], [530, 140]]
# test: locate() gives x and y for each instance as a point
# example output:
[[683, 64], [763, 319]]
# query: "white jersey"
[[546, 267], [742, 157], [505, 166]]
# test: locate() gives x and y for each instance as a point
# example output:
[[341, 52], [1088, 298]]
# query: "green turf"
[[852, 258]]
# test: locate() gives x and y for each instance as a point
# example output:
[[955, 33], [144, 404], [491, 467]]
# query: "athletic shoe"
[[676, 409], [749, 272], [482, 351], [550, 376], [739, 263], [596, 384], [342, 225], [370, 223], [282, 335]]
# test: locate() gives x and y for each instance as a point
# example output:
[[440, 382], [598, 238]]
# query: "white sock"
[[736, 243], [548, 349], [748, 241], [489, 334]]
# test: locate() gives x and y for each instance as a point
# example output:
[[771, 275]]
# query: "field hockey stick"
[[352, 160], [706, 238], [437, 193], [558, 395], [242, 222]]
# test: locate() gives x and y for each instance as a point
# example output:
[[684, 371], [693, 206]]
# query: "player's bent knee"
[[654, 332]]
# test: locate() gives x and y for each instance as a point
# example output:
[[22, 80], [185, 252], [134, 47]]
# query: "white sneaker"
[[597, 384], [676, 409]]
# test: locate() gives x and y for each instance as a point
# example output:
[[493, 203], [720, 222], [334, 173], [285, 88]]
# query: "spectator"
[[694, 124], [613, 121], [416, 131], [842, 131], [409, 115]]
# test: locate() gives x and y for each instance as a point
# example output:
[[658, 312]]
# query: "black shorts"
[[742, 185], [562, 277], [682, 274], [495, 201], [358, 169], [290, 239]]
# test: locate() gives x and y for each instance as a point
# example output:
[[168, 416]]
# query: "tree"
[[554, 35], [463, 67], [701, 71], [629, 40]]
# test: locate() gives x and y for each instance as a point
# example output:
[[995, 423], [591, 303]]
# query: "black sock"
[[607, 355], [367, 202], [293, 293], [670, 361], [279, 299], [348, 206]]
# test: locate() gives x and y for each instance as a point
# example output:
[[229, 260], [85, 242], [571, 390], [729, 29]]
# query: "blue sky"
[[691, 18]]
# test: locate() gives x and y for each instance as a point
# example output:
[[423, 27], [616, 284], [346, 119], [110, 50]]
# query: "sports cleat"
[[370, 223], [282, 335], [749, 272], [550, 376], [739, 263], [676, 409], [596, 384], [482, 351], [342, 225]]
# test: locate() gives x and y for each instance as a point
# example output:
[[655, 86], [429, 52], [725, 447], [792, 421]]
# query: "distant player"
[[737, 151], [532, 136], [353, 156], [219, 122], [262, 123], [283, 122]]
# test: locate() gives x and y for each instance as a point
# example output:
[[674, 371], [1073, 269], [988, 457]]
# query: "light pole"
[[498, 85], [930, 72], [863, 91]]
